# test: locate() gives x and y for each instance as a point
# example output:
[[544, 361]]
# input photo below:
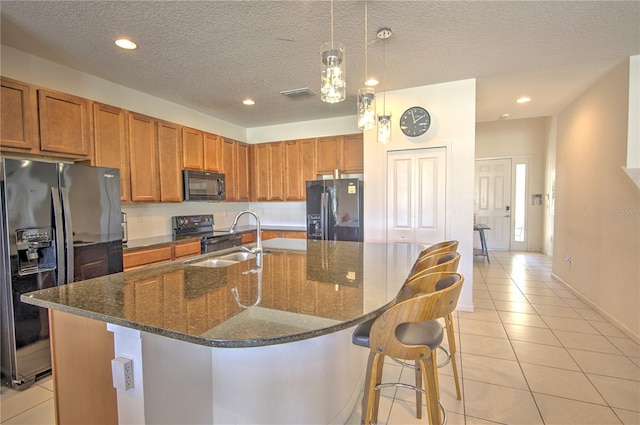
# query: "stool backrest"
[[440, 247], [446, 261], [422, 307]]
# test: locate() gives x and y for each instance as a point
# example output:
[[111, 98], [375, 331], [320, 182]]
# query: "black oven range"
[[202, 226]]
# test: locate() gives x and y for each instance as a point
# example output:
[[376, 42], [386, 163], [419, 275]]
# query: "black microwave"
[[204, 186]]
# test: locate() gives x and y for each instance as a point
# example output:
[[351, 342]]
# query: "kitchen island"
[[237, 344]]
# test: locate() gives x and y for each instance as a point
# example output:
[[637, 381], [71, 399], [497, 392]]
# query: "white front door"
[[492, 201], [416, 188]]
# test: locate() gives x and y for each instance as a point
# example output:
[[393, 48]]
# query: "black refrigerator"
[[60, 223], [334, 210]]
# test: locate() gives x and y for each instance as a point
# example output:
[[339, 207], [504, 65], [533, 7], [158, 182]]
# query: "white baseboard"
[[609, 317]]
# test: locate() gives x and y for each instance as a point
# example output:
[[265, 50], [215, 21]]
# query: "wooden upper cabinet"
[[110, 144], [235, 166], [261, 172], [268, 172], [228, 166], [352, 153], [344, 153], [192, 148], [327, 154], [65, 124], [212, 152], [299, 164], [143, 152], [169, 161], [19, 116], [242, 171]]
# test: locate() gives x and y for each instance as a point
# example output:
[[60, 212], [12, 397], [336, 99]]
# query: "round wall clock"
[[415, 121]]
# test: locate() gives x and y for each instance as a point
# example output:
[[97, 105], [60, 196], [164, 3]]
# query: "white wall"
[[520, 139], [597, 215], [452, 110]]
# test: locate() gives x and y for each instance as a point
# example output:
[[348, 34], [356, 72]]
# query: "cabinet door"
[[65, 125], [261, 172], [327, 159], [212, 152], [110, 148], [228, 167], [187, 249], [170, 165], [143, 151], [308, 163], [299, 166], [18, 109], [276, 174], [352, 153], [242, 174], [193, 148]]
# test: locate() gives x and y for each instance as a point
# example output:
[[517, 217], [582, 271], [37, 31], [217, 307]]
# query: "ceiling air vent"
[[305, 91]]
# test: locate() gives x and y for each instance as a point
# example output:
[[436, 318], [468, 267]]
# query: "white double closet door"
[[416, 190]]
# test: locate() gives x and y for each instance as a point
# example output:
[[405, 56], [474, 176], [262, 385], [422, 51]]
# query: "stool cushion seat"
[[428, 333], [360, 335]]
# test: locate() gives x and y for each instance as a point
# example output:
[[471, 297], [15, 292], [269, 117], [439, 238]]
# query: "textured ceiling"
[[209, 55]]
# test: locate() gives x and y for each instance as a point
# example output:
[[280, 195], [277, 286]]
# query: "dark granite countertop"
[[306, 288]]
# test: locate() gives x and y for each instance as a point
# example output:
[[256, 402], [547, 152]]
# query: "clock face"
[[415, 121]]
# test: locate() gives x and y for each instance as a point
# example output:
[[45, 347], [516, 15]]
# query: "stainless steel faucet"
[[257, 250]]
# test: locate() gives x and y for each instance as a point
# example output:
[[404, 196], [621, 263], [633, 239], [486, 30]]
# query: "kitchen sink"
[[238, 256], [213, 262], [225, 260]]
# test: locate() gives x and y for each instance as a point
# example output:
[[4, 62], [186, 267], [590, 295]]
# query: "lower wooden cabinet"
[[272, 234], [160, 254], [81, 353]]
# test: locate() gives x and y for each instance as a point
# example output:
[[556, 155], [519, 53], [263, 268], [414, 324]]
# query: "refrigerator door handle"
[[68, 234], [57, 217], [323, 215]]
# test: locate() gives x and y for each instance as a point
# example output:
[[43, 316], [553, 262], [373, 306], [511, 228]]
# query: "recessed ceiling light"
[[126, 44], [523, 99], [249, 102], [371, 82]]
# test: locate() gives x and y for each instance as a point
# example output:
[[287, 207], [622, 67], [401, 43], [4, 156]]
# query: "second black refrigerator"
[[334, 210]]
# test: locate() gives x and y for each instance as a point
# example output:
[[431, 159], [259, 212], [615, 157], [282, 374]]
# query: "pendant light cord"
[[332, 24], [366, 43]]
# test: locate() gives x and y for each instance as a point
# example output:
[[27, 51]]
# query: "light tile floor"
[[530, 353]]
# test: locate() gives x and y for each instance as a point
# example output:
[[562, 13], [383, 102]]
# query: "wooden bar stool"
[[446, 266], [409, 330], [440, 247]]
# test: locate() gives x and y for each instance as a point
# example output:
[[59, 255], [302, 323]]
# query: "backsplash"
[[149, 220]]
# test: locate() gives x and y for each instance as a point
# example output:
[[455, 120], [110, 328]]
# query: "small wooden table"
[[480, 228]]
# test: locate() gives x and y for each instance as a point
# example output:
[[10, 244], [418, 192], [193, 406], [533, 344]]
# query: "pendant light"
[[334, 86], [384, 120], [366, 95]]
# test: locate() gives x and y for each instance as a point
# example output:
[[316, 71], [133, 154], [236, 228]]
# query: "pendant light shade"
[[384, 129], [334, 86], [366, 108]]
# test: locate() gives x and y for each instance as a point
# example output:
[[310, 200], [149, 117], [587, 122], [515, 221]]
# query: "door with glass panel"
[[416, 195], [492, 201]]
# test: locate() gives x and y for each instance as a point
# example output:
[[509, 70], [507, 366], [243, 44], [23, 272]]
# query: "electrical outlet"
[[122, 373]]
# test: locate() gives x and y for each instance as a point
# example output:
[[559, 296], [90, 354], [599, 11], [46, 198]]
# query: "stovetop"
[[190, 226]]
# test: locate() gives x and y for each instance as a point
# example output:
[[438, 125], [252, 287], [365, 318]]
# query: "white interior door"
[[417, 190], [492, 201]]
